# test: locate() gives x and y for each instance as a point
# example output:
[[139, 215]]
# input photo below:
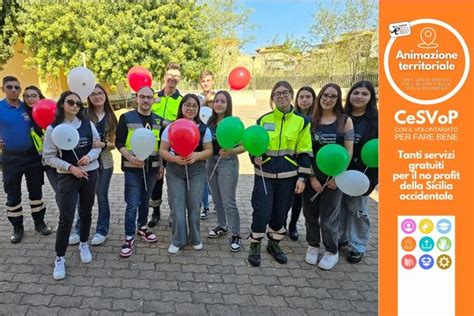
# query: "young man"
[[166, 107], [20, 158], [136, 195]]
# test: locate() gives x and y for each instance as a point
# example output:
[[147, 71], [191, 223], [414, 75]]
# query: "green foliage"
[[9, 10], [114, 36]]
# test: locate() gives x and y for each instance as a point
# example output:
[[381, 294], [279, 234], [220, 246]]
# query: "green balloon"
[[332, 159], [229, 132], [255, 140], [370, 153]]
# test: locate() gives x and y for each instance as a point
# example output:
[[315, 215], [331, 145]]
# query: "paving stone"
[[191, 309]]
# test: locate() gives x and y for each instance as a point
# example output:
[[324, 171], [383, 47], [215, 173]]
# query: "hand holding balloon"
[[84, 161], [316, 185], [332, 184], [136, 162], [195, 156], [78, 172]]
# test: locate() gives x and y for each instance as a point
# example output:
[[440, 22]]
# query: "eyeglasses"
[[30, 96], [10, 87], [72, 103], [97, 94], [190, 106], [332, 97], [145, 97], [173, 76], [281, 94]]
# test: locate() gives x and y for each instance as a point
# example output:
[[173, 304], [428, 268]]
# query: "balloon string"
[[325, 184], [263, 179], [187, 178], [75, 155], [215, 167], [366, 169], [144, 179]]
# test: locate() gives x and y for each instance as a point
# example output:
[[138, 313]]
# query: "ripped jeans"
[[354, 222]]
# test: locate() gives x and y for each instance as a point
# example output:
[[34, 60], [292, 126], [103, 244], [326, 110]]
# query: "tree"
[[9, 10], [114, 36], [351, 18], [228, 24]]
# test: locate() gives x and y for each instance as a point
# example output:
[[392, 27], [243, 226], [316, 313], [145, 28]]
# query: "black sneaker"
[[205, 213], [354, 257], [254, 254], [293, 232], [155, 217], [342, 244], [217, 232], [17, 235], [274, 249], [42, 228], [235, 244]]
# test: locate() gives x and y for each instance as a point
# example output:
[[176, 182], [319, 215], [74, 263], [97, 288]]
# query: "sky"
[[278, 17]]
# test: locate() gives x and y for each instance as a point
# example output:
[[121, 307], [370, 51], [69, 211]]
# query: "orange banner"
[[426, 90]]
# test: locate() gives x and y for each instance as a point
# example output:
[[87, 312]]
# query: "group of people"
[[286, 176]]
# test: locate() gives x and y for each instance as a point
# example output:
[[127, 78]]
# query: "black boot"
[[155, 217], [254, 254], [17, 235], [42, 228], [293, 232], [274, 249]]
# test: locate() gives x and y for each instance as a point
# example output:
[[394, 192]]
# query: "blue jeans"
[[137, 199], [354, 225], [181, 198], [103, 219], [205, 196], [223, 186]]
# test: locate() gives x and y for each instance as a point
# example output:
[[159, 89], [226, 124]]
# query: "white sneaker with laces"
[[173, 249], [59, 272], [86, 256], [74, 239], [312, 255], [328, 261], [98, 239], [198, 246]]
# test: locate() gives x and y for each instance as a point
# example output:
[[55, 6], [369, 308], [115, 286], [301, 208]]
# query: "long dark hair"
[[313, 94], [110, 118], [40, 94], [371, 109], [337, 109], [188, 96], [60, 108], [228, 112]]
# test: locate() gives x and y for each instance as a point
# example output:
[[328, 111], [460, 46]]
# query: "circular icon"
[[426, 244], [408, 226], [408, 244], [426, 226], [444, 262], [443, 226], [426, 262], [443, 244], [408, 262]]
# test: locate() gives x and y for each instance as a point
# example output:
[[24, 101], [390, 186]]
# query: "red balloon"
[[43, 112], [183, 136], [239, 78], [139, 77]]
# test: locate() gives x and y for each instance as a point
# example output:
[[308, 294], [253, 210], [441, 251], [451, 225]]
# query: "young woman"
[[77, 177], [180, 197], [361, 106], [305, 101], [284, 169], [329, 126], [101, 113], [224, 180]]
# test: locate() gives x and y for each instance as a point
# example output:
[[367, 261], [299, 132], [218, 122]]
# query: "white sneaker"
[[173, 249], [59, 272], [328, 261], [98, 239], [198, 246], [312, 255], [74, 239], [86, 256]]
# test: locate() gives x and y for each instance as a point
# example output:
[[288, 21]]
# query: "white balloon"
[[352, 182], [65, 136], [82, 81], [205, 114], [143, 143]]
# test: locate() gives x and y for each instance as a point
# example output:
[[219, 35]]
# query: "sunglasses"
[[10, 87], [72, 103]]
